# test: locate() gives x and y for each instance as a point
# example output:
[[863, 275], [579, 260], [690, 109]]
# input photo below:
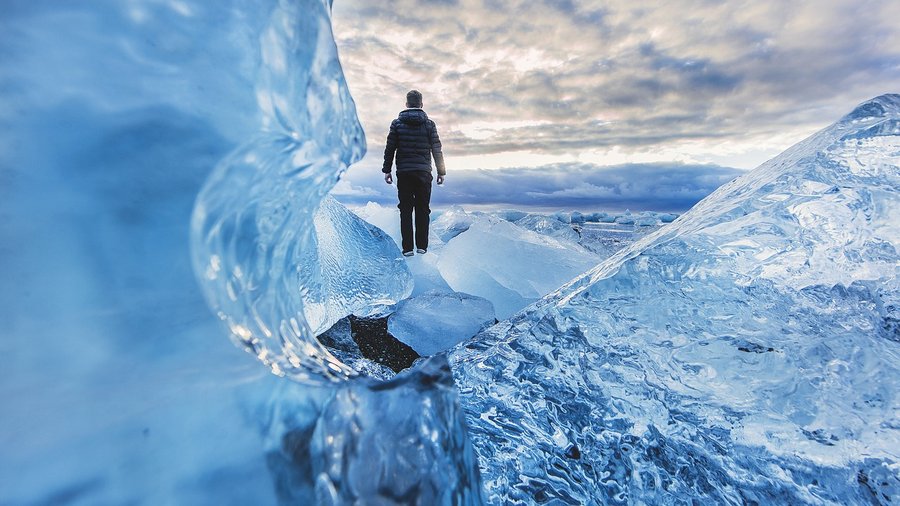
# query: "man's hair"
[[414, 99]]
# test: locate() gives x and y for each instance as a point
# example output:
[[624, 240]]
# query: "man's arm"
[[389, 149], [437, 153]]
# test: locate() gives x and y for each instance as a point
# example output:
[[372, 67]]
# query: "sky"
[[608, 105]]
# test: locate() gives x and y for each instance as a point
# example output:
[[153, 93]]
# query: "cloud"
[[344, 188], [636, 75], [584, 187]]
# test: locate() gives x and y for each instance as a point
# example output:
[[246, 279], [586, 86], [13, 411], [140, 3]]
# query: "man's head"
[[414, 99]]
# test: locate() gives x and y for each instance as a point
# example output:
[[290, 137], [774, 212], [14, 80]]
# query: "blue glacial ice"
[[400, 441], [746, 353], [436, 321], [531, 253], [118, 387], [275, 280], [506, 272]]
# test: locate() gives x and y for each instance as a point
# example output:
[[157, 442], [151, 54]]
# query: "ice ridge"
[[746, 353]]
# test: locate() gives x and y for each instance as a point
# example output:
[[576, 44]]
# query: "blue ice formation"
[[372, 442], [117, 386], [748, 353], [510, 274], [273, 277], [436, 321], [280, 262]]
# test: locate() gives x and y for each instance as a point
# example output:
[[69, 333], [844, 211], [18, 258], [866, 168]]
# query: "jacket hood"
[[413, 116]]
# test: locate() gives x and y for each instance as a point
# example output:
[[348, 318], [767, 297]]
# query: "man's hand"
[[387, 178], [440, 179]]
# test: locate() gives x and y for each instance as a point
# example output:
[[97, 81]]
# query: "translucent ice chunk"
[[549, 226], [451, 223], [748, 352], [436, 321], [509, 265], [255, 231], [397, 442], [360, 268]]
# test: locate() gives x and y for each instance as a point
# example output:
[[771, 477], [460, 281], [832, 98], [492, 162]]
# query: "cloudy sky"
[[612, 104]]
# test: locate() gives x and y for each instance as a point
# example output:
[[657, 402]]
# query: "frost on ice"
[[749, 352]]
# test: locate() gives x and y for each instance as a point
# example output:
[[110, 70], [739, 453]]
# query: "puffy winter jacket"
[[414, 138]]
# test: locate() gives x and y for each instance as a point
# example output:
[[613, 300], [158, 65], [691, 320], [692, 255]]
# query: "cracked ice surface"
[[749, 352]]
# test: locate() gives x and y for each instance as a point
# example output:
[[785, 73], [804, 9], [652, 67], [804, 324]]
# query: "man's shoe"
[[421, 251], [408, 253]]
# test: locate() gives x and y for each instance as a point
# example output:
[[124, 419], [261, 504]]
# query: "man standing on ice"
[[414, 138]]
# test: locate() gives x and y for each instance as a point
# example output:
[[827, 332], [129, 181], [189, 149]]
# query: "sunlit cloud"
[[526, 84]]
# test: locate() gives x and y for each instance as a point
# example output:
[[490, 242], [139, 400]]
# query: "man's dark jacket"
[[415, 139]]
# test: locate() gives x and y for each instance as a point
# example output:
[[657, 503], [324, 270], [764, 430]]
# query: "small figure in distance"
[[414, 139]]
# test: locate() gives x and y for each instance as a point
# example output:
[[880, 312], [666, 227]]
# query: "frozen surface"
[[271, 277], [605, 239], [549, 226], [366, 442], [510, 257], [509, 265], [451, 223], [423, 268], [118, 385], [436, 321], [747, 353], [600, 233]]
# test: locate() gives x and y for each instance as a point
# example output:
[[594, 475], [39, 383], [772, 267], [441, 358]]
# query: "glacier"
[[746, 353], [532, 253]]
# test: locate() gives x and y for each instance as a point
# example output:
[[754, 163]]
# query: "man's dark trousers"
[[414, 190]]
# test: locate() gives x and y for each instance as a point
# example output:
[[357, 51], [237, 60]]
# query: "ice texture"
[[423, 268], [451, 223], [360, 268], [118, 386], [278, 263], [268, 273], [549, 226], [746, 353], [436, 321], [509, 265], [401, 441], [530, 253]]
